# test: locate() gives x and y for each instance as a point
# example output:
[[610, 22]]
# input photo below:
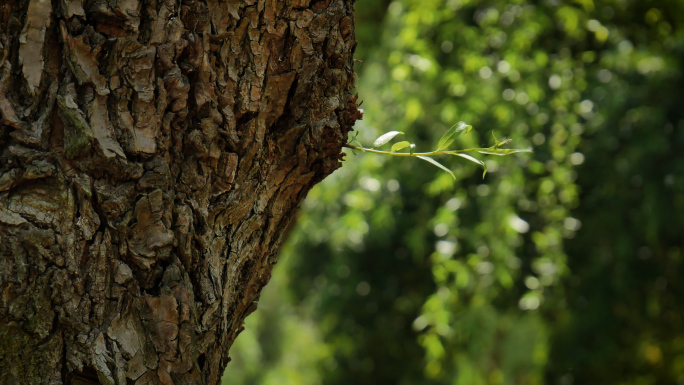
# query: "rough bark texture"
[[152, 154]]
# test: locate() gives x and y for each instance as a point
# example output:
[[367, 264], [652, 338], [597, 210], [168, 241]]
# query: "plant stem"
[[415, 154]]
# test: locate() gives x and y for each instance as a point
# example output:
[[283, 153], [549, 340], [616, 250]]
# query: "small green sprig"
[[460, 128]]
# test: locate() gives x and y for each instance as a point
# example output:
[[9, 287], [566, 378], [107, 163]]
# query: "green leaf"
[[352, 137], [503, 141], [503, 151], [357, 144], [399, 146], [436, 163], [412, 148], [451, 135], [384, 138], [474, 160]]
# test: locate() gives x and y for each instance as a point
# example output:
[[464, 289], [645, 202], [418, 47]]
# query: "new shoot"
[[408, 149]]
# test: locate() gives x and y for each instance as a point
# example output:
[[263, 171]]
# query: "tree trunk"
[[152, 155]]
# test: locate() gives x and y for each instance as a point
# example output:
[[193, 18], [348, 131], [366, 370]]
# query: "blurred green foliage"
[[561, 267]]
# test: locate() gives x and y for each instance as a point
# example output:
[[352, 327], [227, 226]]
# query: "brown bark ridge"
[[152, 154]]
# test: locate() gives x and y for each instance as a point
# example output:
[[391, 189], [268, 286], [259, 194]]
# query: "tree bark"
[[152, 155]]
